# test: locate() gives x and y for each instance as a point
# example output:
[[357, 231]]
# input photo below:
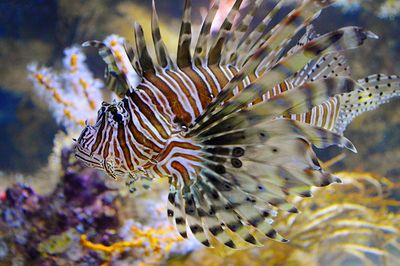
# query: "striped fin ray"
[[209, 201], [323, 115], [145, 61], [132, 53], [230, 53], [319, 137], [218, 218], [253, 63], [295, 21], [278, 47], [308, 36], [201, 48], [252, 167], [184, 58], [214, 55], [343, 39], [116, 80], [175, 211], [267, 166], [230, 200], [254, 36], [233, 130], [192, 216], [330, 65], [162, 54], [337, 112]]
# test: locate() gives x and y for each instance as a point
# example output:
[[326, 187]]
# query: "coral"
[[73, 95], [44, 229], [79, 222], [148, 246]]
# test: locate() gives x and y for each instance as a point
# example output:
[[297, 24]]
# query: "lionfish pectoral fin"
[[244, 176], [249, 162]]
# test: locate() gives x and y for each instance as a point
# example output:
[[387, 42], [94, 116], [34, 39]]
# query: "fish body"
[[233, 124]]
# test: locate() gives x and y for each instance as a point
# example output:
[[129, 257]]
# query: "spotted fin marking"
[[250, 167], [250, 159], [337, 112], [376, 90], [242, 161], [330, 65], [308, 36], [216, 218]]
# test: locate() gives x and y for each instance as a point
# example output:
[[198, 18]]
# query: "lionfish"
[[233, 123]]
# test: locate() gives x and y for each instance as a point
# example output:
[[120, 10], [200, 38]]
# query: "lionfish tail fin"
[[374, 91]]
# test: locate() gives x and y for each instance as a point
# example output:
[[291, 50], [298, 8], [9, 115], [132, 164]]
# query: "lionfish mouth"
[[96, 161], [87, 157]]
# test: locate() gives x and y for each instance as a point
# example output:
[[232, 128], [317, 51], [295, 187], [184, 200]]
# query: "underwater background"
[[55, 211]]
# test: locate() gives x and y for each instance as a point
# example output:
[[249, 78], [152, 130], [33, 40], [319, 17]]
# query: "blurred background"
[[31, 140]]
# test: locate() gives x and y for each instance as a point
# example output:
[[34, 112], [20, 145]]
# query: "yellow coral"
[[154, 244], [117, 247]]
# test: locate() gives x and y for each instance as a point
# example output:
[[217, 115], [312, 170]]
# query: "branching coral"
[[149, 246], [73, 94]]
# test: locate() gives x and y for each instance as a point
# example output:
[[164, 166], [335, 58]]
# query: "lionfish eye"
[[118, 118], [117, 115]]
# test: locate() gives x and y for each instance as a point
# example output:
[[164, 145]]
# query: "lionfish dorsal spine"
[[293, 23], [214, 55], [146, 63], [201, 49], [184, 58], [257, 35], [163, 57], [231, 54]]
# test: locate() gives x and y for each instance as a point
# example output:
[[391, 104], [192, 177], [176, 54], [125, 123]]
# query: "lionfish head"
[[95, 146]]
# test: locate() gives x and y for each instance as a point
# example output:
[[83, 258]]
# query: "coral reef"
[[45, 229], [79, 223]]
